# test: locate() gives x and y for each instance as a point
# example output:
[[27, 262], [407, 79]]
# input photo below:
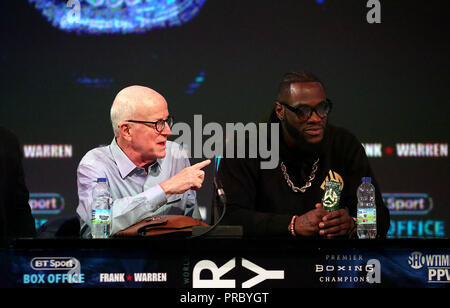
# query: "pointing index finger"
[[202, 164]]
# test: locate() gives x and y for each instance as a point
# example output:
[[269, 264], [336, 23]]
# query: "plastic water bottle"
[[367, 210], [101, 209]]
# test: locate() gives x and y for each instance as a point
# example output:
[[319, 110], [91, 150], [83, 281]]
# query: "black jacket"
[[15, 213], [261, 201]]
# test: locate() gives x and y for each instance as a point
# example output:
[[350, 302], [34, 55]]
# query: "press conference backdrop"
[[384, 64]]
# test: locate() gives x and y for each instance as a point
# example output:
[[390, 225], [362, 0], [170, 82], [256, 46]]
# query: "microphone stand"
[[219, 193]]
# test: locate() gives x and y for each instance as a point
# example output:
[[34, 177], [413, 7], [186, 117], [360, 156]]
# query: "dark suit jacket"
[[15, 213]]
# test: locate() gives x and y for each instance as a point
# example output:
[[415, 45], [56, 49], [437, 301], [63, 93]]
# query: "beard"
[[300, 144]]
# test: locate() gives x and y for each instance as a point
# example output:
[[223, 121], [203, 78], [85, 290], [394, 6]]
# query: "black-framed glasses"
[[158, 125], [304, 112]]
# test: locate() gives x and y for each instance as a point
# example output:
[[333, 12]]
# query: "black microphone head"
[[219, 189]]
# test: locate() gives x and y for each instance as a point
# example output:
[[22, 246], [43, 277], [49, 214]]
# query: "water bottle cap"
[[101, 180], [367, 179]]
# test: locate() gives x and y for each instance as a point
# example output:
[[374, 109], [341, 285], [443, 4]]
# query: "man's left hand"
[[336, 224]]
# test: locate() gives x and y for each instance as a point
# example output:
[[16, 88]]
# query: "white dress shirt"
[[136, 194]]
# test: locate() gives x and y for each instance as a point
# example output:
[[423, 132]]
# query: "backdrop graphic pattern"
[[388, 81]]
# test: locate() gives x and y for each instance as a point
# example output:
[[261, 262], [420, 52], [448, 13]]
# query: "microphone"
[[220, 192]]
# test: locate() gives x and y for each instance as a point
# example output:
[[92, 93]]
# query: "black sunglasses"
[[159, 125], [304, 112]]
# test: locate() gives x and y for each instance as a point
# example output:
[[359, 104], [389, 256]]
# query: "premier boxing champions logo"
[[348, 269]]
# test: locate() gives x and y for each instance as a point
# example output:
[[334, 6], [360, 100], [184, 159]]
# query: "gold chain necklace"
[[308, 183]]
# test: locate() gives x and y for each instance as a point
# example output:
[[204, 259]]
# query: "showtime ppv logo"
[[438, 265], [407, 150]]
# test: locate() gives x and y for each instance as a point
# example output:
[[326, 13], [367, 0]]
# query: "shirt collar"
[[125, 165]]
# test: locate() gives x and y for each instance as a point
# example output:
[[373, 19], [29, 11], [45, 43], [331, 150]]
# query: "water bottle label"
[[367, 216], [101, 216]]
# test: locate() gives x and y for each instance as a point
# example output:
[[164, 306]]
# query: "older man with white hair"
[[147, 174]]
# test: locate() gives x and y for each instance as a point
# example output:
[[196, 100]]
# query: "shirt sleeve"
[[124, 211], [191, 208]]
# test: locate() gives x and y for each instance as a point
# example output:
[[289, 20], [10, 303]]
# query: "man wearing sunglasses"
[[147, 174], [286, 201]]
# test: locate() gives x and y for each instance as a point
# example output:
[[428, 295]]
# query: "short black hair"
[[294, 77]]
